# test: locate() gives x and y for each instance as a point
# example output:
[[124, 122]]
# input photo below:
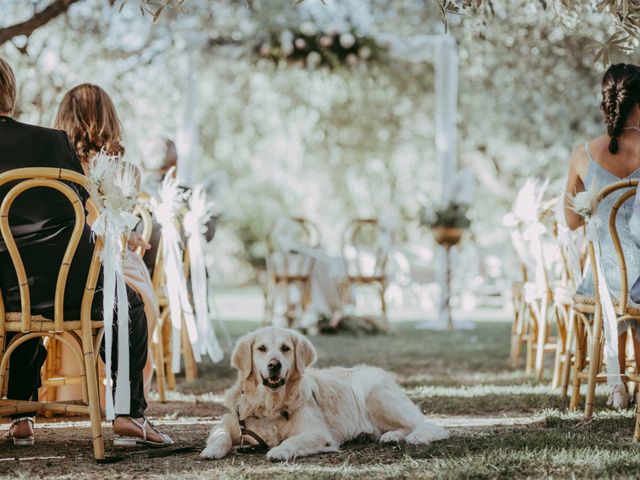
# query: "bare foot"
[[125, 427]]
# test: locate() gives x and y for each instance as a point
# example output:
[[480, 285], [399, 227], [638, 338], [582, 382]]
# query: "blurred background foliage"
[[343, 136]]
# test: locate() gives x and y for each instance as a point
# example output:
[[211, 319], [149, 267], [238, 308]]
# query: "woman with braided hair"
[[606, 159]]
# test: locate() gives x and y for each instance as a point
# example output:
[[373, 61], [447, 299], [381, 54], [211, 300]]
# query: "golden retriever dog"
[[292, 410]]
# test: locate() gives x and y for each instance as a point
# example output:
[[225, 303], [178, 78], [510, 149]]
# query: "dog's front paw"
[[394, 436], [214, 451], [280, 454]]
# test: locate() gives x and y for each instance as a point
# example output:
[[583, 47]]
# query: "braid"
[[620, 87]]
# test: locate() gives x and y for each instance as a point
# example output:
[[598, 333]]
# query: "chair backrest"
[[364, 251], [53, 178], [573, 255], [286, 236], [631, 185], [298, 230], [537, 247]]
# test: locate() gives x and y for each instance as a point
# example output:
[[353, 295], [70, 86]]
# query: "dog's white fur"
[[325, 408]]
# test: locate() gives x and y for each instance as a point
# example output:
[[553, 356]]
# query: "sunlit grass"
[[503, 423]]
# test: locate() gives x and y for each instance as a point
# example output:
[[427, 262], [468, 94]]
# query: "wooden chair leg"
[[566, 366], [531, 335], [190, 366], [306, 295], [594, 364], [269, 303], [92, 392], [561, 341], [557, 366], [579, 362], [541, 340], [168, 351], [383, 304], [158, 352], [516, 337], [345, 293]]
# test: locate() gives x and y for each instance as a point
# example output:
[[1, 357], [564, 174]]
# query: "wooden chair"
[[287, 267], [532, 300], [591, 368], [164, 351], [520, 325], [83, 334], [361, 242]]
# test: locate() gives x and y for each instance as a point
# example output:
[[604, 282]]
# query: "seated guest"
[[91, 122], [162, 157], [606, 159], [42, 222]]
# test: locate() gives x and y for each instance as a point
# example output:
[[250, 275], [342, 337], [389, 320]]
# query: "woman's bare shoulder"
[[579, 157]]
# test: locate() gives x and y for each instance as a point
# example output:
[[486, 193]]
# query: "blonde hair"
[[7, 88], [89, 117]]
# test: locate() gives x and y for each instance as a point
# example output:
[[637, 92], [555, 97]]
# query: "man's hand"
[[135, 241]]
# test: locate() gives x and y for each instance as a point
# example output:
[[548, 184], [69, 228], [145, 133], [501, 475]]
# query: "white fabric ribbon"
[[113, 191], [536, 287], [166, 212], [195, 226], [569, 243], [111, 226], [609, 317]]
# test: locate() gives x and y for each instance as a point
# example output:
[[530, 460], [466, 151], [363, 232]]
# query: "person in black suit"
[[42, 221]]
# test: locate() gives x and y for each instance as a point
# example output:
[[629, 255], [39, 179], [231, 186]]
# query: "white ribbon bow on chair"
[[113, 192]]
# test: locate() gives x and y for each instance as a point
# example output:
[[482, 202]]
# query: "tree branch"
[[55, 9]]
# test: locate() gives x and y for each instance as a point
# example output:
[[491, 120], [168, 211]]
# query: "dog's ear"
[[305, 352], [242, 358]]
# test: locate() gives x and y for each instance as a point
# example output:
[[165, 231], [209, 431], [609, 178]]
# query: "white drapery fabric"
[[442, 52]]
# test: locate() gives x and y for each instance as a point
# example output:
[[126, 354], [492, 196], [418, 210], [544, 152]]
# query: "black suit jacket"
[[41, 219]]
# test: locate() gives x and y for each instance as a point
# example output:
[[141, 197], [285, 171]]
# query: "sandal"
[[24, 441], [619, 398], [130, 441]]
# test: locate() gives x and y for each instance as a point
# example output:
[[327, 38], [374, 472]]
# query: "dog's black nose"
[[274, 366]]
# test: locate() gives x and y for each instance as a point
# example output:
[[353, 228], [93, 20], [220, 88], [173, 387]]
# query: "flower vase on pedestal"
[[447, 237]]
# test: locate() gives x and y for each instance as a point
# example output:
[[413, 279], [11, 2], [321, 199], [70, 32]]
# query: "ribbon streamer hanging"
[[167, 210], [609, 318], [195, 226]]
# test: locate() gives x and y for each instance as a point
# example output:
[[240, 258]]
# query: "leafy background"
[[333, 143]]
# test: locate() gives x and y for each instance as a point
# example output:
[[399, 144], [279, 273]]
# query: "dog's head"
[[274, 356]]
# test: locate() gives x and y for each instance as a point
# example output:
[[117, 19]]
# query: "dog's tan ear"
[[241, 358], [305, 352]]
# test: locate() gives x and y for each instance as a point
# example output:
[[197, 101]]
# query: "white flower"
[[582, 203]]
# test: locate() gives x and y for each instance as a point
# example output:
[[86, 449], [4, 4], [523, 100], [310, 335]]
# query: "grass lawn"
[[503, 424]]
